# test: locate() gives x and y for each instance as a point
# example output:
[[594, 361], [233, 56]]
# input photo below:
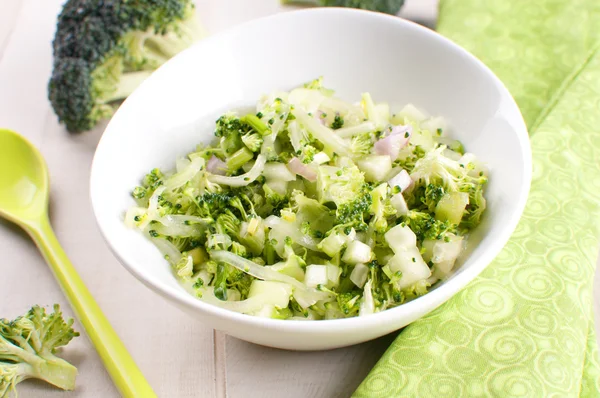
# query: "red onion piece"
[[216, 166], [394, 141], [297, 167]]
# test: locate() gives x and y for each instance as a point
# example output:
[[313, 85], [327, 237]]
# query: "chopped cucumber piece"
[[452, 207]]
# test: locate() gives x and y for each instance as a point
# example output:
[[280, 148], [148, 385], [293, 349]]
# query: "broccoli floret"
[[104, 49], [352, 214], [425, 226], [385, 6], [307, 153], [338, 122], [210, 205], [361, 144], [253, 141], [476, 206], [349, 302], [230, 129], [437, 170], [426, 197], [28, 346], [339, 184]]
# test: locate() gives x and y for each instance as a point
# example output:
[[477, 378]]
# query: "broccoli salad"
[[314, 208]]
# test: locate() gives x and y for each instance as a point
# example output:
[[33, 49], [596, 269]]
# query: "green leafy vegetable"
[[28, 345], [104, 49]]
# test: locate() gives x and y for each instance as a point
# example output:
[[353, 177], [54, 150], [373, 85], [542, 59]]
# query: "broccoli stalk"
[[385, 6], [104, 50], [27, 348]]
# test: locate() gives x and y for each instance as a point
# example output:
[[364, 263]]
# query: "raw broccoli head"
[[385, 6], [104, 49], [27, 348]]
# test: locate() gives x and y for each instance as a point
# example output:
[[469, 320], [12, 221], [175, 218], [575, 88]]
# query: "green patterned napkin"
[[524, 328]]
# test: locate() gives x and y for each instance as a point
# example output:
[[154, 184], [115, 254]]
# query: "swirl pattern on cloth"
[[524, 327]]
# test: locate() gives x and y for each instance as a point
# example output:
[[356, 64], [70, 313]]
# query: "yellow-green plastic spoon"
[[24, 191]]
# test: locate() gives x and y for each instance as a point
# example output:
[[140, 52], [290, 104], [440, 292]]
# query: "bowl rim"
[[429, 301]]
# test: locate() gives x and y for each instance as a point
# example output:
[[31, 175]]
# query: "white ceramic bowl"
[[395, 60]]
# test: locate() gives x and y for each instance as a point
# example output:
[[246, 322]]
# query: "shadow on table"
[[334, 373]]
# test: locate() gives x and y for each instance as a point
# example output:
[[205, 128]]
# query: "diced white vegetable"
[[433, 124], [443, 254], [315, 275], [357, 252], [411, 113], [442, 269], [276, 171], [477, 166], [333, 275], [423, 138], [383, 111], [266, 312], [399, 203], [278, 293], [359, 274], [278, 186], [400, 238], [412, 266], [401, 180], [291, 268], [321, 158], [447, 251], [332, 244], [367, 304], [371, 112], [310, 100], [375, 167]]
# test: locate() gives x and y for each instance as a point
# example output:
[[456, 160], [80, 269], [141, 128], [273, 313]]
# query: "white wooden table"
[[179, 356]]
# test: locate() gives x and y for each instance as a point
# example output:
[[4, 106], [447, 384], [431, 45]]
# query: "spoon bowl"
[[24, 192], [23, 179]]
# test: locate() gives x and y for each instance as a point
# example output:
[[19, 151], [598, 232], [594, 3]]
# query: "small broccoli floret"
[[338, 122], [230, 129], [385, 6], [425, 226], [352, 214], [339, 184], [349, 302], [362, 144], [436, 174], [253, 141], [28, 346], [104, 49], [426, 197]]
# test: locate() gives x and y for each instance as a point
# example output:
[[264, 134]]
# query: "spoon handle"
[[120, 365]]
